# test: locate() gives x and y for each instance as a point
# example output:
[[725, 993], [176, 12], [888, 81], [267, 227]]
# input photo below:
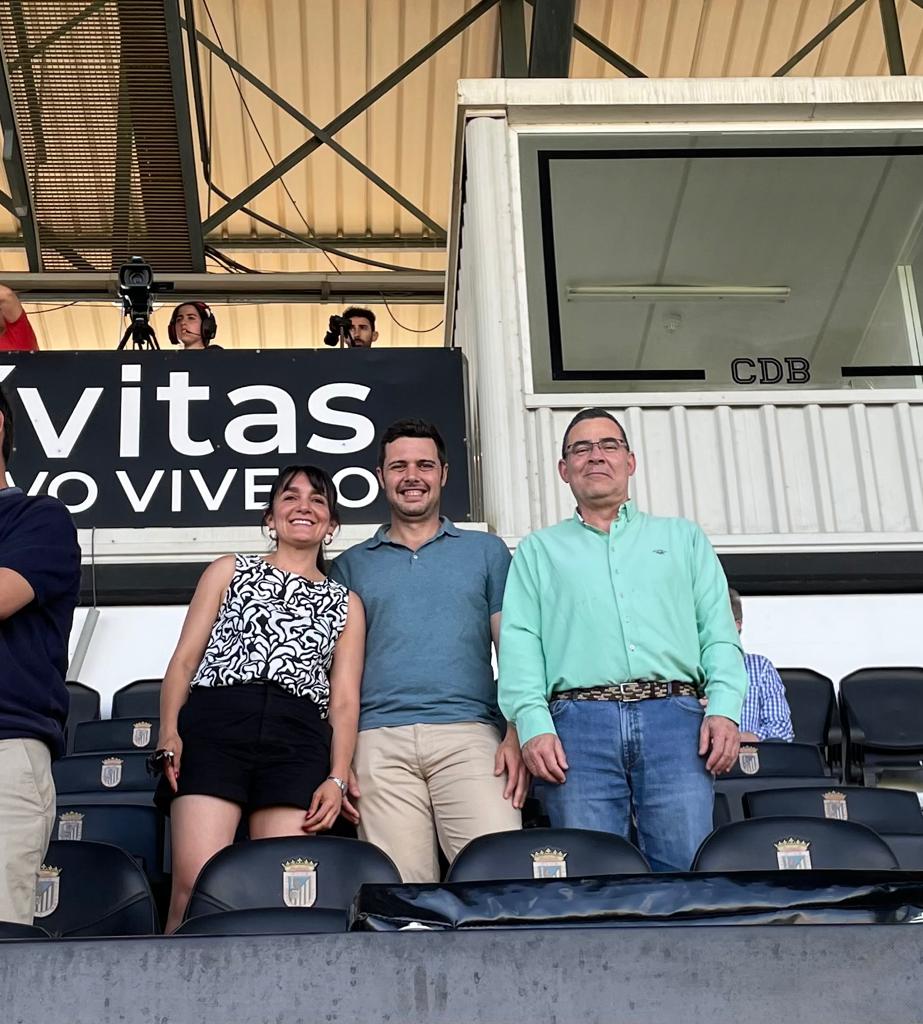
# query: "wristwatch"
[[339, 782]]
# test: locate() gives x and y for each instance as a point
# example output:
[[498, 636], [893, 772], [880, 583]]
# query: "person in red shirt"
[[16, 332]]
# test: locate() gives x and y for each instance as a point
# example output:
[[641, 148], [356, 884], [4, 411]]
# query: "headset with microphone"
[[209, 323]]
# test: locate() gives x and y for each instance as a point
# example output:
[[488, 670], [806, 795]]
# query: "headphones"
[[209, 323]]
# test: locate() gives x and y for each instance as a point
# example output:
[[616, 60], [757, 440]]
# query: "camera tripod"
[[142, 335]]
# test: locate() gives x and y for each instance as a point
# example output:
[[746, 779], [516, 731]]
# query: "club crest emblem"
[[835, 805], [793, 855], [47, 890], [299, 883], [70, 825], [549, 864], [141, 734], [749, 760], [111, 773]]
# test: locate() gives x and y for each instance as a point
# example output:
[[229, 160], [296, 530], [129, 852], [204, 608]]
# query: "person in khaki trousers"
[[39, 585], [435, 764]]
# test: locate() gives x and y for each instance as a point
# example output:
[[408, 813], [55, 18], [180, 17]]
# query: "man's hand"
[[719, 737], [544, 757], [509, 760], [749, 737]]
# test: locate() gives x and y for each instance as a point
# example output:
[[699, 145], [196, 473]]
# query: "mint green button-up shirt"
[[647, 600]]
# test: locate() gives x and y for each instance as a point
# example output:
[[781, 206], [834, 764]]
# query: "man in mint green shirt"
[[615, 623]]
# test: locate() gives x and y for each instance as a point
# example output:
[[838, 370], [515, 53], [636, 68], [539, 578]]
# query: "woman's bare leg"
[[273, 822], [200, 826]]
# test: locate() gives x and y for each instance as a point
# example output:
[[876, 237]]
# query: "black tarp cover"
[[745, 897]]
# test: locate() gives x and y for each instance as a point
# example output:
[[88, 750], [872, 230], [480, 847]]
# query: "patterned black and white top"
[[275, 626]]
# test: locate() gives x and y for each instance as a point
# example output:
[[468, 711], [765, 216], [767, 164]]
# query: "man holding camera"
[[354, 329], [39, 585]]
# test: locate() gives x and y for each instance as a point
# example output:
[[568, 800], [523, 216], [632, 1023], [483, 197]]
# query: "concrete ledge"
[[646, 975]]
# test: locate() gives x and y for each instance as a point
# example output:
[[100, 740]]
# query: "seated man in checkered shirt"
[[765, 714]]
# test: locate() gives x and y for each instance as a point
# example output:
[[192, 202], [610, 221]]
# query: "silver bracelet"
[[339, 782]]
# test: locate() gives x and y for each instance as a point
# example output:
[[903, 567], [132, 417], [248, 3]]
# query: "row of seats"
[[127, 818], [874, 724], [302, 884], [138, 700]]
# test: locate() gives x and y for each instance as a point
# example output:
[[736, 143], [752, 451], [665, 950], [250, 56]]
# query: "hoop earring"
[[328, 539], [273, 536]]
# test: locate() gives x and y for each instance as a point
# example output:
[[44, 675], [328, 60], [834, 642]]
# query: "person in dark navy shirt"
[[39, 585]]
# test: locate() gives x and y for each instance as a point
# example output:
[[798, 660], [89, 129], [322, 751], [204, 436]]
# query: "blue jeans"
[[639, 756]]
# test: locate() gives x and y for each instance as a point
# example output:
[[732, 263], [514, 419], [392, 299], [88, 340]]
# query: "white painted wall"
[[833, 635], [837, 634], [127, 644]]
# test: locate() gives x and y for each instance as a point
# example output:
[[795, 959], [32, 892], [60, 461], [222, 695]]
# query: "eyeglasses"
[[610, 445]]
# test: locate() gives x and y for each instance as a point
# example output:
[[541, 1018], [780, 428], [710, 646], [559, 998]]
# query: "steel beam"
[[320, 133], [184, 133], [892, 32], [58, 33], [604, 52], [351, 113], [411, 286], [195, 72], [816, 40], [609, 56], [552, 38], [513, 59], [268, 243], [349, 243], [17, 18], [6, 202], [16, 173]]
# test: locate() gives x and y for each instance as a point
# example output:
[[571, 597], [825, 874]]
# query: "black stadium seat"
[[721, 814], [767, 844], [907, 848], [322, 871], [140, 699], [266, 921], [83, 707], [884, 810], [113, 734], [125, 772], [882, 712], [546, 853], [91, 889], [137, 830], [770, 766], [815, 715]]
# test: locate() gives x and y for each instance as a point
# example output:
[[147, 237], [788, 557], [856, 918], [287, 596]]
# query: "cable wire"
[[259, 134], [327, 250], [404, 327]]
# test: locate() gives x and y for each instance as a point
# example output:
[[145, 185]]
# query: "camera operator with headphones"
[[193, 325]]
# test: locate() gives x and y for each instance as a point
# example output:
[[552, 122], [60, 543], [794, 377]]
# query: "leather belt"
[[636, 689]]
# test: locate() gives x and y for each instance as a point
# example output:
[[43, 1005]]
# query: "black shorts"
[[255, 745]]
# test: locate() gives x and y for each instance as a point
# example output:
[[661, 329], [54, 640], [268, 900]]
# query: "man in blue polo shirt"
[[430, 764], [39, 584]]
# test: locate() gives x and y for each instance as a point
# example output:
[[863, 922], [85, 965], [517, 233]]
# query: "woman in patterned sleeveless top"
[[260, 701]]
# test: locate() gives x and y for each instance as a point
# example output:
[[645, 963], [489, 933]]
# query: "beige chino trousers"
[[27, 809], [423, 784]]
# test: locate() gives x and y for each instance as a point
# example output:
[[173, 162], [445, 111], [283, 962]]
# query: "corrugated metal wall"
[[752, 471], [793, 473]]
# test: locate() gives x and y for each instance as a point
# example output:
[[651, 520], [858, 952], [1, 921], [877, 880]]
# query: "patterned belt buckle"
[[632, 692]]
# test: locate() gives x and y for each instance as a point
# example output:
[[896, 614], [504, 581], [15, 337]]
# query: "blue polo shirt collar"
[[446, 529]]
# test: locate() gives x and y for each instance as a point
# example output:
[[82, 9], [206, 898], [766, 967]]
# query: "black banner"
[[196, 438]]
